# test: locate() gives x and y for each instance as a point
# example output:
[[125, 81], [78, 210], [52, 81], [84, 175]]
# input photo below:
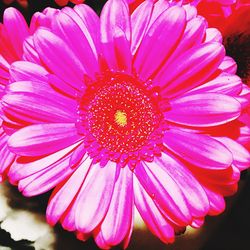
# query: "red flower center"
[[121, 116]]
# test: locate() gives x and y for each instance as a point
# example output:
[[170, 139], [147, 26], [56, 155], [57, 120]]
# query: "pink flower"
[[126, 111], [14, 32]]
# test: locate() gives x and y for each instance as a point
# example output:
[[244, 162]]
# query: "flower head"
[[127, 110], [14, 33]]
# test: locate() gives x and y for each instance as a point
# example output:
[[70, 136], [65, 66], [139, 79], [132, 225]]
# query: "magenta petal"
[[203, 110], [41, 139], [114, 228], [20, 170], [200, 150], [63, 195], [228, 65], [217, 202], [225, 83], [240, 154], [168, 198], [168, 26], [88, 21], [100, 241], [23, 102], [192, 190], [193, 35], [177, 78], [29, 52], [58, 58], [70, 32], [116, 35], [7, 157], [46, 179], [93, 200], [155, 221], [27, 71], [139, 21], [159, 7], [17, 29], [213, 35]]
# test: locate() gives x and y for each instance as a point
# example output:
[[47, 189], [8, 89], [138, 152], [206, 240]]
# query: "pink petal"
[[46, 179], [116, 35], [58, 58], [23, 102], [27, 166], [191, 189], [177, 78], [217, 202], [193, 35], [225, 83], [64, 194], [159, 7], [200, 150], [228, 65], [154, 220], [93, 200], [17, 29], [240, 154], [139, 21], [29, 52], [169, 198], [27, 71], [7, 158], [203, 110], [70, 32], [115, 228], [41, 139], [91, 21], [213, 35], [168, 26], [63, 87]]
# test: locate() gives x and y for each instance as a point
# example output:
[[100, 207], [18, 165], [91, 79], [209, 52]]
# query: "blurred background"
[[23, 225]]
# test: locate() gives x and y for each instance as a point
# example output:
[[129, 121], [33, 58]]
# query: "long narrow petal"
[[200, 150], [192, 190], [168, 198], [116, 35], [203, 110], [114, 228], [27, 166], [225, 83], [41, 139], [155, 221], [63, 195], [169, 26], [240, 154], [17, 29], [177, 78], [70, 32], [59, 58], [139, 21], [93, 200]]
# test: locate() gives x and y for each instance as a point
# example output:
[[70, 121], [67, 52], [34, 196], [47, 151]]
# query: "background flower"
[[14, 34]]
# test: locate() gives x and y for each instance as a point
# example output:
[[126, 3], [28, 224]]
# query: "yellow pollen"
[[121, 118]]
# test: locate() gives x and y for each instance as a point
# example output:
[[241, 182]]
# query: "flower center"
[[121, 118], [121, 115]]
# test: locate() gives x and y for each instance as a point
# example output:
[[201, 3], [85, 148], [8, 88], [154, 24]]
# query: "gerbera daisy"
[[14, 32], [127, 110]]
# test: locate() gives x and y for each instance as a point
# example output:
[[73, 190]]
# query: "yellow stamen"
[[121, 118]]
